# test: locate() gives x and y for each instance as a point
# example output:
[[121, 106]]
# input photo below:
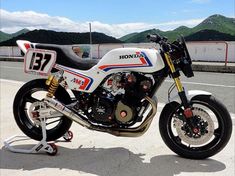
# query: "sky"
[[112, 17]]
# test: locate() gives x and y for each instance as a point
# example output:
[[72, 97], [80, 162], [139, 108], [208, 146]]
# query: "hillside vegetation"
[[4, 36], [62, 38], [215, 27]]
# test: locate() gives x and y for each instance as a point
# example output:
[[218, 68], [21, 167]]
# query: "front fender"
[[190, 94]]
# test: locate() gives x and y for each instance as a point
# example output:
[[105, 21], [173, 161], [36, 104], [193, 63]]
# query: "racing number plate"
[[38, 61]]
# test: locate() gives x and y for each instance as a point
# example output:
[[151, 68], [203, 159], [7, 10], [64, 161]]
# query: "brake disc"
[[199, 138]]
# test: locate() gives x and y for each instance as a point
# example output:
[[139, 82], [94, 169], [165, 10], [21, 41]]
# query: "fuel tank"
[[131, 59]]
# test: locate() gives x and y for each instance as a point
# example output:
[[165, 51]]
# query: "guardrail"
[[212, 51], [226, 44]]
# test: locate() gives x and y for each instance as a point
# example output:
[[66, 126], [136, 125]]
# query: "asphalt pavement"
[[93, 153]]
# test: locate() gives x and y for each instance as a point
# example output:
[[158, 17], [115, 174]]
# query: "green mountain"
[[63, 38], [126, 37], [218, 23], [4, 36], [225, 26], [141, 37], [183, 29], [23, 31], [209, 35]]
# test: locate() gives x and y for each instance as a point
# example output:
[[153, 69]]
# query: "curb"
[[18, 59], [213, 68]]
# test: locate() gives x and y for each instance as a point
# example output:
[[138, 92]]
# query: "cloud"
[[29, 19], [14, 21]]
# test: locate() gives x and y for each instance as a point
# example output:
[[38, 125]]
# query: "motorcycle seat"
[[67, 57]]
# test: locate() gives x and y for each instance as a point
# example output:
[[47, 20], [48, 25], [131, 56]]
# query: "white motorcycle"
[[116, 95]]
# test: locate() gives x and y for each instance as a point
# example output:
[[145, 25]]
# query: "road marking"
[[204, 84], [12, 81], [20, 68]]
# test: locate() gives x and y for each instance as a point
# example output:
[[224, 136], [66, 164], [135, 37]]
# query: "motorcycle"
[[116, 95]]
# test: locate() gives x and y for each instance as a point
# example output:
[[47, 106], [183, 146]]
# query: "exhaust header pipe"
[[128, 132], [58, 106]]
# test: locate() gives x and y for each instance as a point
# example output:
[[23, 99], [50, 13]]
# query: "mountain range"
[[215, 27], [4, 36], [223, 27], [62, 38]]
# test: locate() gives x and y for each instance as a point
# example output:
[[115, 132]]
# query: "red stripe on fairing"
[[143, 62], [118, 65]]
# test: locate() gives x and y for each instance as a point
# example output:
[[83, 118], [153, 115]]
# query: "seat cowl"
[[67, 57]]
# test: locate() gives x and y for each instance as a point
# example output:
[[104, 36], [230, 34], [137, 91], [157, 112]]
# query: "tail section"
[[24, 45]]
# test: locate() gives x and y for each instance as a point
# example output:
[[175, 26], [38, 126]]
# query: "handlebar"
[[177, 50], [162, 41]]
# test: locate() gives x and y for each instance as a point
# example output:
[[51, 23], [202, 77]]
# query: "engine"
[[118, 100], [128, 89]]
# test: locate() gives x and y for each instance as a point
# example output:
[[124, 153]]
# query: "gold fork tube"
[[172, 68]]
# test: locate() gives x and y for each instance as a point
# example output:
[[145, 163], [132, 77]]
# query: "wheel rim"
[[28, 98], [218, 127]]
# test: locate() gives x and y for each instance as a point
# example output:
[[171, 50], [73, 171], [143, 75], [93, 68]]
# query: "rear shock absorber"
[[53, 84]]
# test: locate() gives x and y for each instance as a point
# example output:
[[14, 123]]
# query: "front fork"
[[176, 76]]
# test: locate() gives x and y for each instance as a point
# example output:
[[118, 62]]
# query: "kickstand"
[[49, 148]]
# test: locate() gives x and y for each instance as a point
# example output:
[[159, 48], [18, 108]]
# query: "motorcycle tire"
[[20, 110], [221, 133]]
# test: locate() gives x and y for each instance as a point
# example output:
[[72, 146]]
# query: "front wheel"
[[31, 94], [208, 134]]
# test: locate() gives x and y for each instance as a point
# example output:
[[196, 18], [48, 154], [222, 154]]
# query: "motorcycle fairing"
[[76, 79], [80, 77], [145, 60]]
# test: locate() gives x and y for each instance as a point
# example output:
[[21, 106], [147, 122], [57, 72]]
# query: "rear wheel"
[[211, 130], [29, 95]]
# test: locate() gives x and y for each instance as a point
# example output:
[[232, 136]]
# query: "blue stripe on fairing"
[[147, 59], [89, 85], [107, 69]]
